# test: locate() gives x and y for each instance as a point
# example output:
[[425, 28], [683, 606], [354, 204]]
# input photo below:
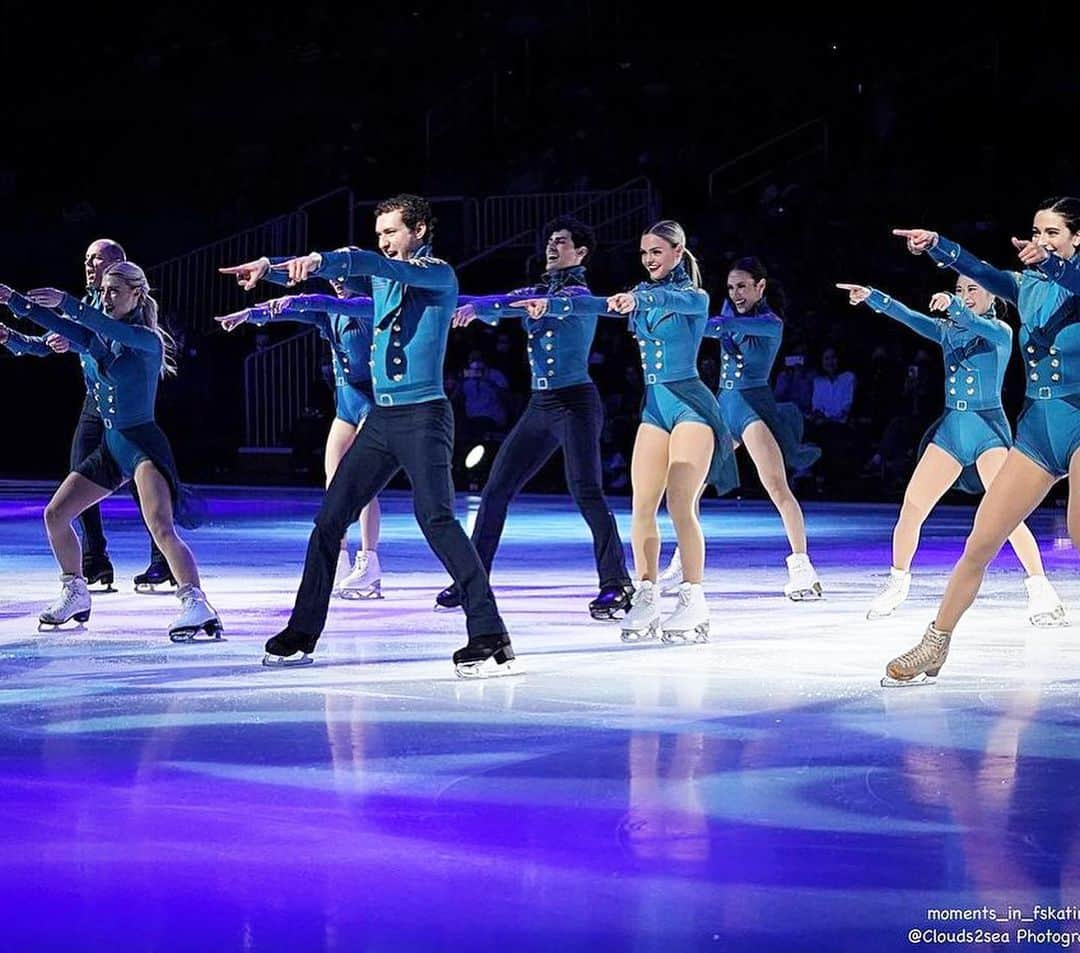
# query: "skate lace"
[[642, 596], [685, 596], [360, 564], [65, 600], [190, 599], [893, 585], [798, 565], [1041, 592], [928, 650]]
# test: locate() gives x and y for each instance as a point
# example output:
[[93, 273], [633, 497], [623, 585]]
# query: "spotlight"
[[474, 456]]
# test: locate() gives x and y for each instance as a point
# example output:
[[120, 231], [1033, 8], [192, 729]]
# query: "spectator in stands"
[[795, 383], [834, 390], [485, 394]]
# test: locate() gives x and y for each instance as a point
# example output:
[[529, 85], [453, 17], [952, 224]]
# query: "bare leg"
[[769, 461], [1022, 541], [935, 473], [690, 453], [648, 474], [1074, 503], [370, 524], [157, 510], [71, 498], [1019, 487]]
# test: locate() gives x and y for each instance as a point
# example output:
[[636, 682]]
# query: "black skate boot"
[[484, 657], [96, 567], [156, 574], [449, 598], [290, 647], [613, 602]]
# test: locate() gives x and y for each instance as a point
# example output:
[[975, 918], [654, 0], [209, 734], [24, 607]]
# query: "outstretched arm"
[[80, 337], [111, 329], [948, 254]]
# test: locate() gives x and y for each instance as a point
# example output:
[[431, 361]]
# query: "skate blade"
[[108, 587], [439, 608], [287, 661], [359, 595], [633, 636], [922, 678], [154, 588], [698, 634], [79, 619], [873, 614], [607, 615], [488, 668], [194, 635], [1050, 620], [813, 594]]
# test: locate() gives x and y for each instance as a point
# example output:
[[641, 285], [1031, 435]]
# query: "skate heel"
[[211, 632], [82, 616], [374, 591]]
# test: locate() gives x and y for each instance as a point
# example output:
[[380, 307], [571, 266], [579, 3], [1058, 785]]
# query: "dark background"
[[171, 128]]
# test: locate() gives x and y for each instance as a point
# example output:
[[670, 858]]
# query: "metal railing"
[[618, 215], [189, 290], [512, 221], [278, 386], [800, 142]]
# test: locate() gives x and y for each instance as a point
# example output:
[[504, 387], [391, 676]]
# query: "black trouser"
[[571, 418], [418, 438], [89, 435]]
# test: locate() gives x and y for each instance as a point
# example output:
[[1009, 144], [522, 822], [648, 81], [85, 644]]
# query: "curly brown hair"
[[414, 210]]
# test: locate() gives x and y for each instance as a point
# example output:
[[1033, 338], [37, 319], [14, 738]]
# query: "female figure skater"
[[345, 323], [750, 328], [128, 353], [968, 443], [682, 439], [1048, 431]]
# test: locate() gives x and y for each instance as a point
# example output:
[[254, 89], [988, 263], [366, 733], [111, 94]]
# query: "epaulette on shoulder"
[[426, 260]]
